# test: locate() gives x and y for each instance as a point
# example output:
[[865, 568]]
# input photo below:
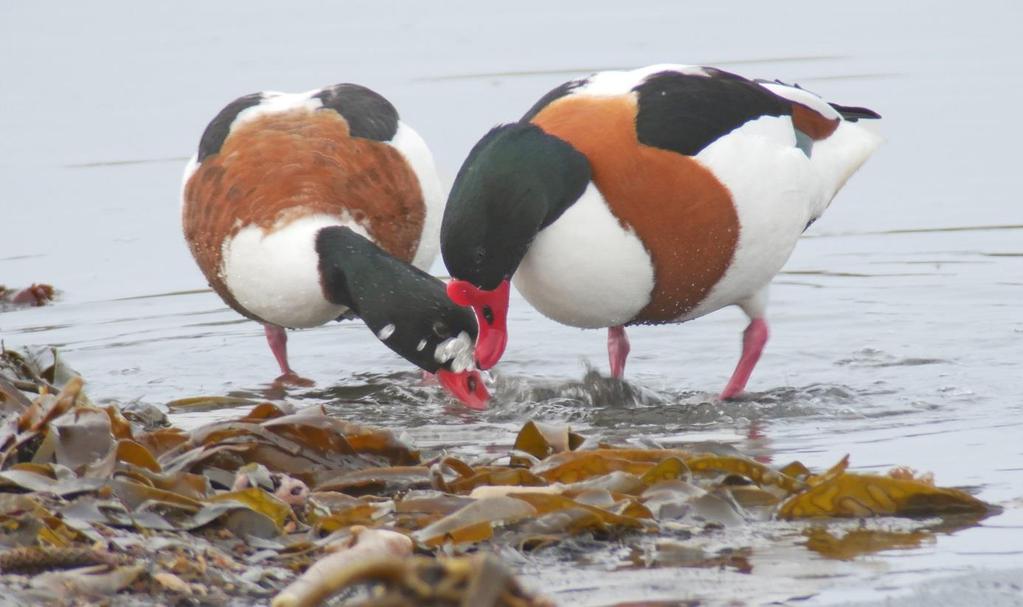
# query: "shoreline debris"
[[301, 505]]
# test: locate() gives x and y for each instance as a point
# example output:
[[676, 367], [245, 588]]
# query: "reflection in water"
[[835, 541], [202, 404], [682, 553], [859, 542]]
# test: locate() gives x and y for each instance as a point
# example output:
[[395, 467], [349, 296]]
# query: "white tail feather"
[[836, 158]]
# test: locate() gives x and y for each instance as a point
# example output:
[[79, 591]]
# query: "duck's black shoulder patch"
[[561, 91], [220, 127], [368, 114], [686, 113]]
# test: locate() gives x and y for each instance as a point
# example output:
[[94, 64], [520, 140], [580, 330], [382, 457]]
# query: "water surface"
[[897, 327]]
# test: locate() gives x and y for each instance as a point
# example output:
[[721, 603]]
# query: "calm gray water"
[[897, 324]]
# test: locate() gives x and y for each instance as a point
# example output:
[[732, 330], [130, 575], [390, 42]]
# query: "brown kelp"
[[102, 501]]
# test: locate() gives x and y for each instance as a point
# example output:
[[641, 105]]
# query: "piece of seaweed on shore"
[[238, 509], [34, 295]]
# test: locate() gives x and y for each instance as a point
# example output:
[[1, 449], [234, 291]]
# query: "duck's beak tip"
[[467, 386]]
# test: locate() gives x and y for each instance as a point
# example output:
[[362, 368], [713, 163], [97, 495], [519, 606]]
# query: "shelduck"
[[305, 208], [649, 196]]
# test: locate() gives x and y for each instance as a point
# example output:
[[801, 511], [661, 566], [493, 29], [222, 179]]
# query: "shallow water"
[[897, 332]]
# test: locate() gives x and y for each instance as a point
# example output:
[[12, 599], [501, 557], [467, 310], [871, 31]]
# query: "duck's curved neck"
[[516, 181], [356, 273]]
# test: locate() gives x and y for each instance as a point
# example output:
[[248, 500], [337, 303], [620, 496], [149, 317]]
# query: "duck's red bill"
[[491, 308], [467, 386]]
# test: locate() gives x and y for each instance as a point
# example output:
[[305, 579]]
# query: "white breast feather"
[[276, 275], [585, 269]]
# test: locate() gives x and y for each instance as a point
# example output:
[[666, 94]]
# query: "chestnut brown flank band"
[[815, 126], [284, 166], [683, 215]]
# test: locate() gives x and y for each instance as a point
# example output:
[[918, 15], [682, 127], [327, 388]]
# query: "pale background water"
[[897, 325]]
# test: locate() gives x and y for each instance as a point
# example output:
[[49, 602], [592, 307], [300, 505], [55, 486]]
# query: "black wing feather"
[[686, 113], [220, 127], [557, 93], [852, 113], [368, 114]]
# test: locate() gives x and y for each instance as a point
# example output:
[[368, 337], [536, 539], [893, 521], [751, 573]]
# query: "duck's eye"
[[488, 315], [471, 383], [440, 329]]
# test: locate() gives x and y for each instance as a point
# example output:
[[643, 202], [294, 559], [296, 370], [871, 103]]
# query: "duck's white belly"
[[586, 270], [774, 190], [275, 275]]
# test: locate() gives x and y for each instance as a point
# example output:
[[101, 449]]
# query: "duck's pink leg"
[[277, 337], [617, 350], [753, 340]]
